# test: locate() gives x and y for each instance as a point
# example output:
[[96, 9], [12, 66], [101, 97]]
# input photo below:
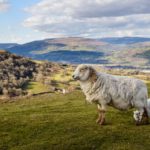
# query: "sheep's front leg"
[[145, 117], [99, 114], [101, 117]]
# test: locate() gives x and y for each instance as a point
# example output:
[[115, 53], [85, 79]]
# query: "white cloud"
[[109, 8], [4, 5], [90, 17]]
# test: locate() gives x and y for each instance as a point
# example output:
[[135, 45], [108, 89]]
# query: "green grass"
[[66, 122], [62, 79], [63, 75], [36, 87]]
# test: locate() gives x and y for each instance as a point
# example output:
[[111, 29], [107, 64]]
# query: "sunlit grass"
[[63, 75], [60, 122], [37, 87], [62, 79]]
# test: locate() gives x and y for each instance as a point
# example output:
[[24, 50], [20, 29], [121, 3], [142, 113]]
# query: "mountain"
[[70, 50], [131, 51], [124, 40], [48, 45], [7, 45]]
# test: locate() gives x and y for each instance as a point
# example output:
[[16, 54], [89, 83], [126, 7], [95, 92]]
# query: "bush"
[[5, 91]]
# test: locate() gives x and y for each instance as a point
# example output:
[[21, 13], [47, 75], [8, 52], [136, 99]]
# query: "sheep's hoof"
[[102, 122], [145, 120], [98, 121], [137, 123], [142, 122]]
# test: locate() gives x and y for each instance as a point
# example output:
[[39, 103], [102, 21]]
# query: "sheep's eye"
[[81, 70]]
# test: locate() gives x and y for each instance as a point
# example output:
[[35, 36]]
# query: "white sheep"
[[118, 91]]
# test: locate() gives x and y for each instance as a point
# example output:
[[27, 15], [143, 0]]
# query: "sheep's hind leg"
[[101, 117], [145, 118], [102, 122], [142, 117], [139, 116]]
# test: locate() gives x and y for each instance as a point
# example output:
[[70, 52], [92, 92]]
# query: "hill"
[[60, 44], [7, 45], [124, 40], [73, 50], [48, 45], [125, 51], [56, 121], [17, 72], [135, 55], [61, 119]]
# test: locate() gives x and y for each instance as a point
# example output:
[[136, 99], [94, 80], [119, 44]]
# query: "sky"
[[23, 21]]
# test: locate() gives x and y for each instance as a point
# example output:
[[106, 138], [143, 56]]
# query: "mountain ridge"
[[7, 45], [78, 50], [125, 40]]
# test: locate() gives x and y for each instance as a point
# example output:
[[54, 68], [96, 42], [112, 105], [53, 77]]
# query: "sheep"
[[120, 92]]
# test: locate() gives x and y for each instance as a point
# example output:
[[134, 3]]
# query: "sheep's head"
[[84, 72], [137, 116]]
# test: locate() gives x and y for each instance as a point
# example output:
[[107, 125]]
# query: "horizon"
[[22, 22], [76, 37]]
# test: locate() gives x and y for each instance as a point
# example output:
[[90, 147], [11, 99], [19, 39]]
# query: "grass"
[[62, 79], [66, 122], [36, 87], [64, 75]]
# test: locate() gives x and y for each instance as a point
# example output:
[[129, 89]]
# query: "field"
[[67, 122]]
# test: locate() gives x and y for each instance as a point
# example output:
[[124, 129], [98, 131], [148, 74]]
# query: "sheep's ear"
[[93, 75]]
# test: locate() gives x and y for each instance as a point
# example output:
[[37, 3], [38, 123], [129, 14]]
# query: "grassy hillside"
[[56, 121], [20, 76], [134, 55]]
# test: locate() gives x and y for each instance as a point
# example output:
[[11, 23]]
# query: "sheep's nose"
[[73, 76]]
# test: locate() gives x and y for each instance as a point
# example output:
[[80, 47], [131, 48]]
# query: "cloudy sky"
[[27, 20]]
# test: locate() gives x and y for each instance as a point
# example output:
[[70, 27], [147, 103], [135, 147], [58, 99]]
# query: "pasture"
[[66, 122]]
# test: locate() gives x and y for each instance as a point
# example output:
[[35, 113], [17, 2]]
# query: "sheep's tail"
[[148, 108]]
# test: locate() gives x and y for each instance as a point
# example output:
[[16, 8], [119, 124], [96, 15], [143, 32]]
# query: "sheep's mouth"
[[76, 78]]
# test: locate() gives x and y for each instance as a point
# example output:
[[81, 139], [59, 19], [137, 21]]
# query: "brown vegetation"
[[16, 71]]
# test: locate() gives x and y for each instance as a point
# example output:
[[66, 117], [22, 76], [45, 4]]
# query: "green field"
[[66, 122], [36, 87]]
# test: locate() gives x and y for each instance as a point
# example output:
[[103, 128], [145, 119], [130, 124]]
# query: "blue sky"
[[27, 20], [11, 26]]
